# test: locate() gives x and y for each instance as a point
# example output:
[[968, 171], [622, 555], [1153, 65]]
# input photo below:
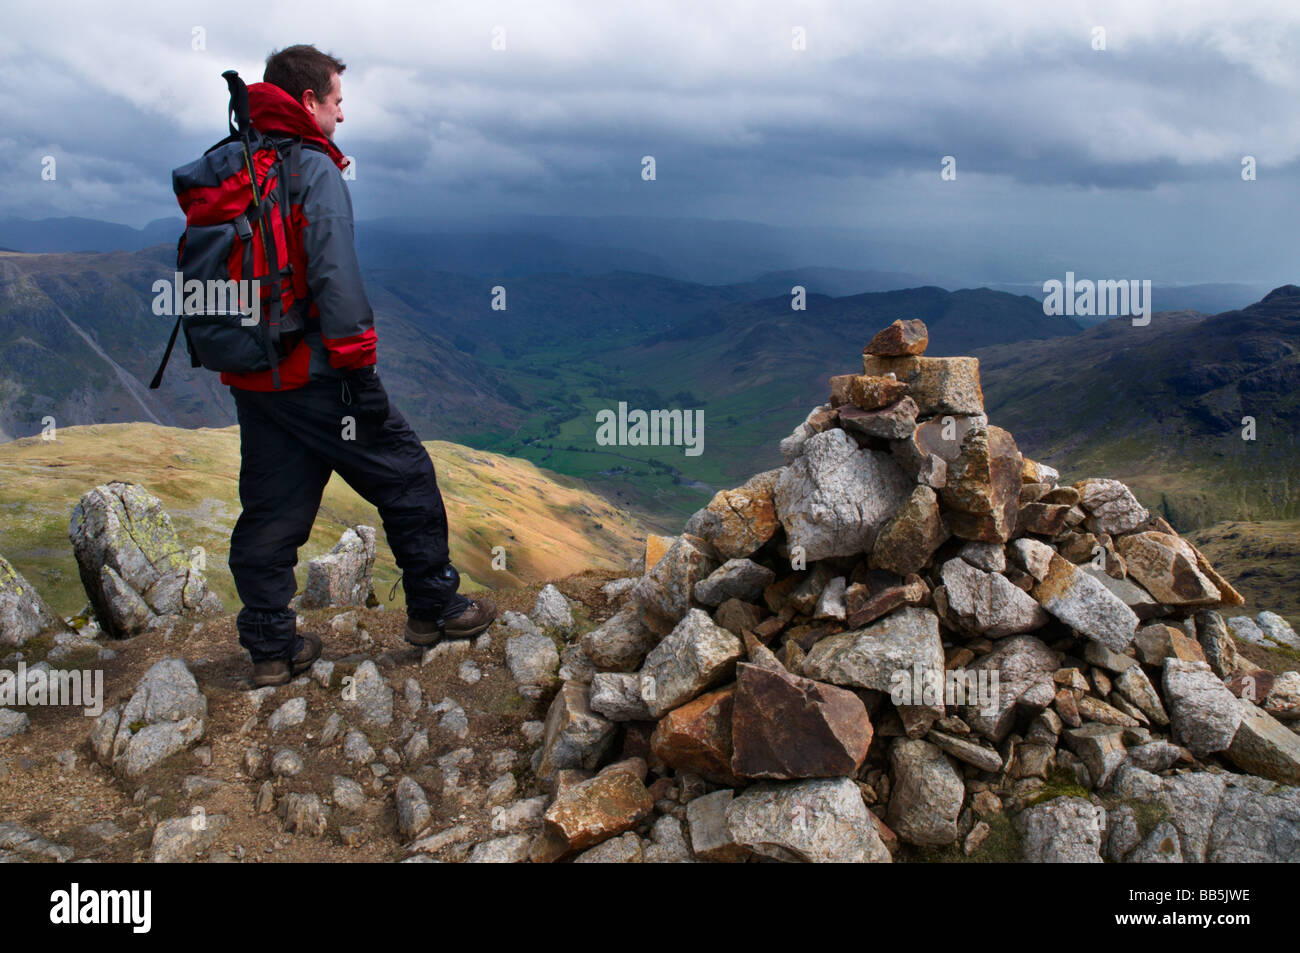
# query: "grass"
[[1000, 846], [1060, 783], [549, 525]]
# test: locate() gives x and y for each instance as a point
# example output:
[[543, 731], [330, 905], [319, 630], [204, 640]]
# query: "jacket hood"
[[274, 110]]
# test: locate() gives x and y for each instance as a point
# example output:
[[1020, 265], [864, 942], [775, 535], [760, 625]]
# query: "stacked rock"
[[908, 627]]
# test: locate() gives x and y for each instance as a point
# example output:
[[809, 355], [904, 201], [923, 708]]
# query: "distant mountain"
[[498, 255], [1205, 298], [85, 235], [1161, 407], [79, 343], [832, 282], [704, 251]]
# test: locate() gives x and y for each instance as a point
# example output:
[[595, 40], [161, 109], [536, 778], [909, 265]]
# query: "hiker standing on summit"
[[330, 413]]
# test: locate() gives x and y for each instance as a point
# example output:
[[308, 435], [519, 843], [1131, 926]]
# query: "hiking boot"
[[276, 671], [471, 620]]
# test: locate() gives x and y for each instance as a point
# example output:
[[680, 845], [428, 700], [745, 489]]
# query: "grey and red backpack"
[[238, 228]]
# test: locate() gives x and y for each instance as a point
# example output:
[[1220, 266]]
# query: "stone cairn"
[[911, 629]]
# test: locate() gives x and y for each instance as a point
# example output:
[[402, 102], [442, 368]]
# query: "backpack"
[[237, 231]]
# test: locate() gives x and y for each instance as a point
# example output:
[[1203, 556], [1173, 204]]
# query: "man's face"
[[328, 112]]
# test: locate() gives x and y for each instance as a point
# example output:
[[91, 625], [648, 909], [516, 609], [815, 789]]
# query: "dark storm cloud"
[[1046, 130]]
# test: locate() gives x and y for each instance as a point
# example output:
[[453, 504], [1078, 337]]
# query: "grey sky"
[[1126, 160]]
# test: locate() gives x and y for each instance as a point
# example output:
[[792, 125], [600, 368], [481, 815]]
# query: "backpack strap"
[[171, 341]]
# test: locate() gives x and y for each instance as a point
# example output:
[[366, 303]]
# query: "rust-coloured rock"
[[697, 737], [1043, 519], [840, 389], [901, 337], [655, 547], [939, 385], [982, 492], [1166, 566], [592, 811], [785, 727], [913, 592], [872, 393], [894, 421], [738, 522], [907, 541], [736, 616]]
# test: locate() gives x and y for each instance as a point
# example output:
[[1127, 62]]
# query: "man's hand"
[[369, 399]]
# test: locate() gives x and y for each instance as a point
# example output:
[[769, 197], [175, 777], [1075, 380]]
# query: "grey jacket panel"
[[333, 271]]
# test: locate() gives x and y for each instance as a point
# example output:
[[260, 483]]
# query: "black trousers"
[[290, 442]]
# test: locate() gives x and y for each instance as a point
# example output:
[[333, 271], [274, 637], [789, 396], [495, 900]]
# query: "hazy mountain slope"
[[71, 234], [1161, 407], [1263, 558], [549, 525], [79, 342]]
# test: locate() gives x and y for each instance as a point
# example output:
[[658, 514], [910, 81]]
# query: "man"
[[331, 413]]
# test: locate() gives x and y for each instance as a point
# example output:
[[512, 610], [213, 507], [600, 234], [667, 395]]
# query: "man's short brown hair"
[[296, 69]]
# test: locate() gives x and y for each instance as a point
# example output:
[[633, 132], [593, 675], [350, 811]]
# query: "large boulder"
[[696, 737], [818, 821], [906, 640], [620, 642], [1111, 506], [1203, 712], [165, 715], [664, 593], [1222, 817], [574, 736], [738, 522], [342, 577], [785, 727], [694, 657], [1064, 830], [987, 603], [1019, 668], [741, 579], [939, 385], [982, 493], [592, 811], [899, 339], [1166, 566], [23, 613], [1264, 746], [132, 565], [926, 794], [909, 538], [1079, 600], [834, 498]]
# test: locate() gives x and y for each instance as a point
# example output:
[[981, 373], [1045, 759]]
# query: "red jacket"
[[340, 325]]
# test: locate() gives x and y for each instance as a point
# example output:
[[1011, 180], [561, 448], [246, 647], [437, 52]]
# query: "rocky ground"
[[460, 728], [296, 774]]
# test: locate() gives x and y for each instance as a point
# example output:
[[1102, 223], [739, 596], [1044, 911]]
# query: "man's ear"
[[309, 100]]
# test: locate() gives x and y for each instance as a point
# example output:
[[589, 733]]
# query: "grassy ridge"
[[549, 525]]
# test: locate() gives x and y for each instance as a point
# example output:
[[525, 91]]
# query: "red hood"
[[274, 110]]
